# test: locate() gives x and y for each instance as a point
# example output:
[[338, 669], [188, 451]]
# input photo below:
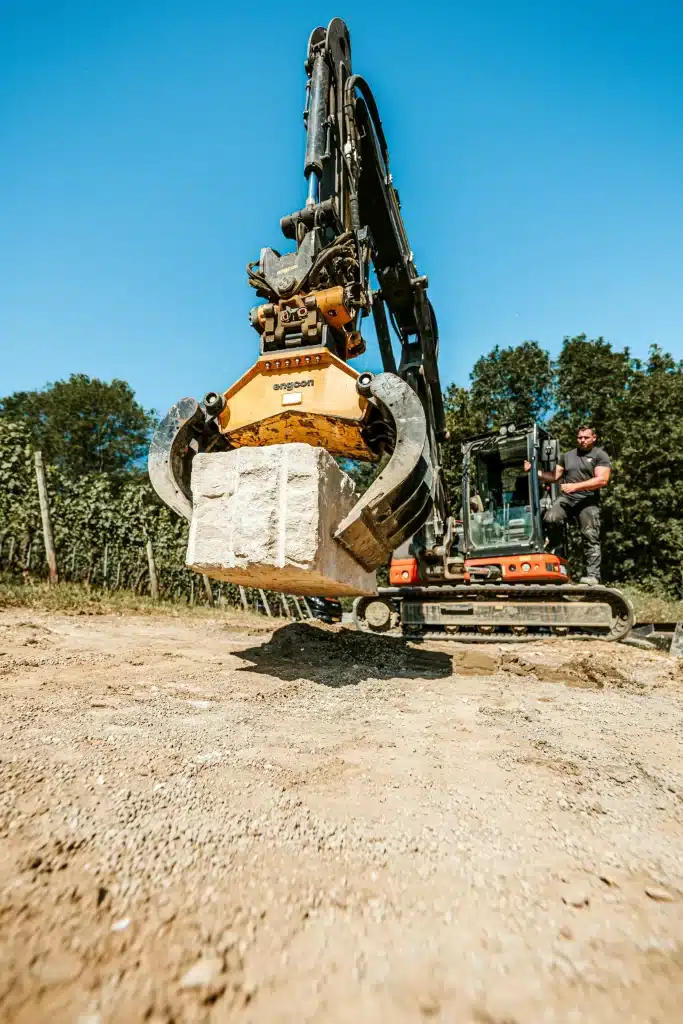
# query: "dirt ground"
[[209, 821]]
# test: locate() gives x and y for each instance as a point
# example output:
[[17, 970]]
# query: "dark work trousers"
[[568, 508]]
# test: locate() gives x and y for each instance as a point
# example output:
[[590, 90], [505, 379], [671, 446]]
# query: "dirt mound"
[[592, 665]]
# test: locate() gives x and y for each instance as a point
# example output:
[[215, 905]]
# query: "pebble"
[[57, 969], [660, 895], [120, 925], [204, 972], [576, 898]]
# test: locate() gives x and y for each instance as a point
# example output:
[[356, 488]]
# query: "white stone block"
[[264, 517]]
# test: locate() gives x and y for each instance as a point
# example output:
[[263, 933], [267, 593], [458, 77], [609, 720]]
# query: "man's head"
[[586, 437]]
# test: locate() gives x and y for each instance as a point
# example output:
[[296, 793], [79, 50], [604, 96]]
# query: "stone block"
[[264, 517]]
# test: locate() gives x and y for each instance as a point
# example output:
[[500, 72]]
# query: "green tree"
[[643, 505], [83, 424], [463, 420], [592, 382], [513, 385]]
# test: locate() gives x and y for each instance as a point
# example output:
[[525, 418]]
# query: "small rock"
[[566, 932], [228, 941], [660, 895], [576, 898], [57, 968], [120, 925], [204, 972], [167, 913]]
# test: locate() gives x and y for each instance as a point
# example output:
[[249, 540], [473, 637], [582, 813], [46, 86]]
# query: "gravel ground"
[[208, 821]]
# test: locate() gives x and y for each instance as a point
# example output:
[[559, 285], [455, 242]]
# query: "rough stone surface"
[[264, 517]]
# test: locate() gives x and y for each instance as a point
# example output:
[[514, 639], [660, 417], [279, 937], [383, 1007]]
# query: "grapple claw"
[[170, 454], [400, 500]]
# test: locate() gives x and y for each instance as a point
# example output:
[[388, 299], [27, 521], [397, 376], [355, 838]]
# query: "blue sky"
[[150, 147]]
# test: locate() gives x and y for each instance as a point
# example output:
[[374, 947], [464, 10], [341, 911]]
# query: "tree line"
[[94, 436]]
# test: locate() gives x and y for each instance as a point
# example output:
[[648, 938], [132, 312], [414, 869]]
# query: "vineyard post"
[[265, 603], [207, 588], [307, 607], [105, 567], [153, 581], [243, 599], [191, 591], [285, 605], [26, 571], [10, 557], [50, 553]]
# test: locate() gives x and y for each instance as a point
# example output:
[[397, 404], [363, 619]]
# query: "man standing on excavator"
[[584, 470]]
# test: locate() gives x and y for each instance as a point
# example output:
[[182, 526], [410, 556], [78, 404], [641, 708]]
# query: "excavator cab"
[[503, 505]]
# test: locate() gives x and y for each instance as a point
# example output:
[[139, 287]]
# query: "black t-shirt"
[[580, 466]]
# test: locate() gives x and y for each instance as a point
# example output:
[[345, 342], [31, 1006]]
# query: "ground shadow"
[[342, 657]]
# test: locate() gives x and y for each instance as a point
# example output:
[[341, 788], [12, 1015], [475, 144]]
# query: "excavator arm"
[[313, 301]]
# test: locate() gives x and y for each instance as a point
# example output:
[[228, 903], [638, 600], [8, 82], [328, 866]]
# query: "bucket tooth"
[[400, 500]]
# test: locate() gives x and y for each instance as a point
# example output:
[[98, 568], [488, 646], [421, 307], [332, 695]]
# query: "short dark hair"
[[587, 426]]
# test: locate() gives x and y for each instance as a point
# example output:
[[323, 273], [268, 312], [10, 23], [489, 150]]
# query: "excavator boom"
[[313, 301]]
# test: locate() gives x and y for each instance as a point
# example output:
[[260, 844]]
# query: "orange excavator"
[[349, 259]]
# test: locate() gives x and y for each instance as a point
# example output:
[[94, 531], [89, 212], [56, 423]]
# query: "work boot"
[[590, 581]]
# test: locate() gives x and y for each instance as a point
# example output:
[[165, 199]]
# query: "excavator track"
[[496, 613]]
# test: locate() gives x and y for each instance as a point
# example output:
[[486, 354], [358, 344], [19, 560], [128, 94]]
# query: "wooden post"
[[298, 606], [191, 590], [285, 605], [265, 603], [50, 553], [207, 588], [153, 581], [105, 567], [10, 557], [243, 599], [28, 547], [307, 607], [118, 575]]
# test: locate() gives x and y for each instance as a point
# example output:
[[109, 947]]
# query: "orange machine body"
[[537, 568]]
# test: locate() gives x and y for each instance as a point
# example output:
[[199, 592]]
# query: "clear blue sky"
[[149, 148]]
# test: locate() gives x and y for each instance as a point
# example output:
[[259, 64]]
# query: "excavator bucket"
[[400, 500]]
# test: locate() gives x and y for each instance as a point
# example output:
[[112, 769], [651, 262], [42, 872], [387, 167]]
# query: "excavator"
[[485, 572]]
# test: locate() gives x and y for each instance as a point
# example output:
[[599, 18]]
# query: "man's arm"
[[601, 479], [547, 477]]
